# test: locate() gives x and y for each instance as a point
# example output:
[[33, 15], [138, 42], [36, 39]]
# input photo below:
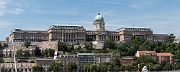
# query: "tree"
[[110, 68], [168, 66], [51, 52], [93, 67], [62, 47], [129, 68], [170, 38], [3, 69], [116, 62], [104, 67], [27, 44], [37, 52], [48, 52], [45, 52], [109, 43], [71, 66], [150, 66], [37, 68], [19, 52], [177, 66], [55, 67], [116, 68], [26, 53], [143, 60], [156, 67]]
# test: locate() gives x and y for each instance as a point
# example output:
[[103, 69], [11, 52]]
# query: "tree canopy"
[[37, 68], [71, 66], [27, 44], [55, 67]]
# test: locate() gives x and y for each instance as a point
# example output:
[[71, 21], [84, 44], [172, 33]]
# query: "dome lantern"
[[99, 18]]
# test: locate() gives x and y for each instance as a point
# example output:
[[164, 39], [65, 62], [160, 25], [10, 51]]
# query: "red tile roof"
[[144, 52], [163, 54]]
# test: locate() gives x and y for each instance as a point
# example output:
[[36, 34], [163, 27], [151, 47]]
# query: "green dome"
[[99, 18]]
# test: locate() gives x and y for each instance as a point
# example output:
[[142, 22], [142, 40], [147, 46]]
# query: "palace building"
[[74, 34]]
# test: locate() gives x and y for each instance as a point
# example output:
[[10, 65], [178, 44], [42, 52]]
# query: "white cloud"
[[139, 4], [3, 5], [16, 11], [109, 2], [4, 24]]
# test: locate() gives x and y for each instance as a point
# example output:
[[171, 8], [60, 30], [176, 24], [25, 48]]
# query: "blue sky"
[[162, 16]]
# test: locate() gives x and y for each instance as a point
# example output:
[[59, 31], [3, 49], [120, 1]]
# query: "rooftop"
[[164, 54], [144, 52], [85, 53]]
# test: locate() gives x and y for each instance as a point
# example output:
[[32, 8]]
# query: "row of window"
[[68, 27], [68, 30], [137, 29]]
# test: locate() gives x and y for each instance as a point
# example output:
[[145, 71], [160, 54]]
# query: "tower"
[[98, 24]]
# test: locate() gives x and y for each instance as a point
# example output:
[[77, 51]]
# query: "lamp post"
[[15, 66]]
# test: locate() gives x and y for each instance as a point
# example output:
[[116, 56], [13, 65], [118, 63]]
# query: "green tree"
[[116, 69], [129, 68], [37, 68], [110, 68], [27, 44], [19, 52], [93, 67], [168, 67], [104, 67], [45, 52], [150, 66], [71, 66], [48, 52], [170, 38], [156, 67], [51, 52], [116, 62], [62, 47], [177, 66], [26, 53], [55, 67], [88, 46], [98, 68], [143, 60], [3, 69], [109, 43]]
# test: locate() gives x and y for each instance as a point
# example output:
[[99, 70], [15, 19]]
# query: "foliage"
[[109, 43], [37, 52], [71, 66], [37, 68], [26, 53], [62, 47], [170, 38], [48, 52], [92, 67], [116, 62], [27, 44], [55, 67], [3, 70], [19, 53], [22, 53]]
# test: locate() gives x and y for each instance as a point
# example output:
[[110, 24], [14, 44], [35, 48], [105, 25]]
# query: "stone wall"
[[49, 44]]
